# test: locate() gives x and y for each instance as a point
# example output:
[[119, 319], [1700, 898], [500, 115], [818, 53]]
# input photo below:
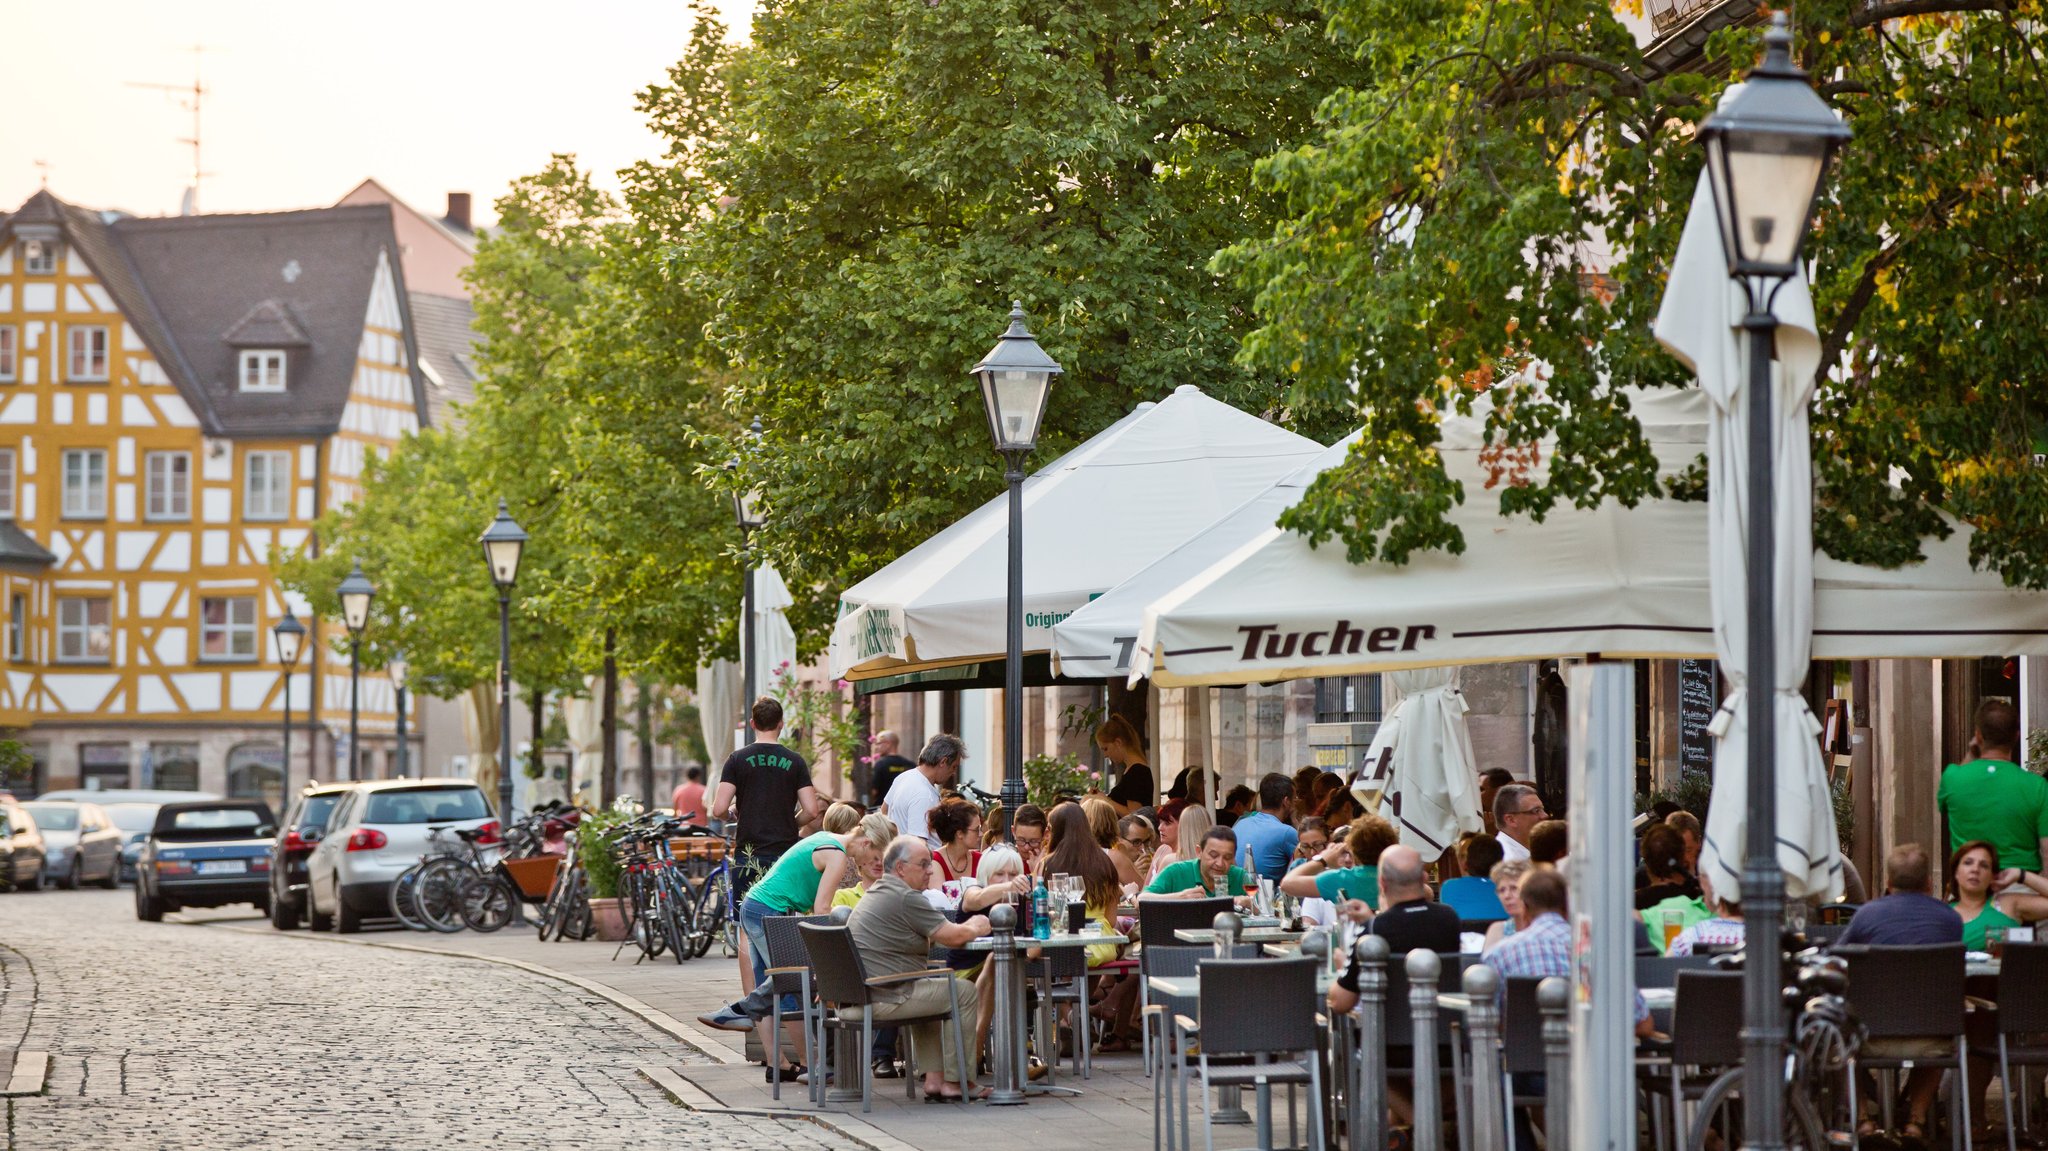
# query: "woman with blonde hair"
[[1102, 820], [841, 818], [1507, 883], [1122, 745]]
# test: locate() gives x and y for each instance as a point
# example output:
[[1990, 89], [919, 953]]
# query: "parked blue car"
[[205, 854]]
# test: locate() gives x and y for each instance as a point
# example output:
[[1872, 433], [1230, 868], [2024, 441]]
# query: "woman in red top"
[[957, 823]]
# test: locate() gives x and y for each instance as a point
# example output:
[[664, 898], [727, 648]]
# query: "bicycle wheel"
[[438, 893], [405, 899], [554, 910], [675, 917], [708, 920], [577, 923], [1717, 1126], [487, 902]]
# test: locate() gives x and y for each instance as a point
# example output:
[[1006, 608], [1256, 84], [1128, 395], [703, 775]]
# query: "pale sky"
[[305, 99]]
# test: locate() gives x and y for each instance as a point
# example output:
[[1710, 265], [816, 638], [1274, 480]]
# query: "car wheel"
[[70, 880], [42, 879], [347, 920], [284, 914], [148, 908], [112, 879]]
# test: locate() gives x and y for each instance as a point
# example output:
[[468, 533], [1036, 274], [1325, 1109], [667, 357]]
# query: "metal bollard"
[[1553, 999], [1369, 1091], [1488, 1116], [1229, 1104], [1424, 969], [1008, 1057]]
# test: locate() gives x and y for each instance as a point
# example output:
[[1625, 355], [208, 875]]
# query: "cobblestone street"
[[178, 1036]]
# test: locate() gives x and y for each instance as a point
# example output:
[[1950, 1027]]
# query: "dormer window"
[[39, 257], [263, 370]]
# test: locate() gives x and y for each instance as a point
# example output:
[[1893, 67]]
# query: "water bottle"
[[1041, 912]]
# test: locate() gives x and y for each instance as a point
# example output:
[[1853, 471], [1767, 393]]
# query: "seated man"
[[1544, 947], [1409, 920], [1209, 873], [1905, 914], [896, 930]]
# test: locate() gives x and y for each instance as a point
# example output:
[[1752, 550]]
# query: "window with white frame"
[[39, 257], [17, 627], [227, 627], [85, 483], [85, 632], [88, 362], [8, 369], [6, 483], [266, 493], [262, 370], [167, 486]]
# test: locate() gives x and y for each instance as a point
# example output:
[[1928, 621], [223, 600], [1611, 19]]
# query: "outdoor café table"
[[1274, 934], [1010, 1021]]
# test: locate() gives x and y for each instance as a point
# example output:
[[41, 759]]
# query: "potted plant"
[[601, 872]]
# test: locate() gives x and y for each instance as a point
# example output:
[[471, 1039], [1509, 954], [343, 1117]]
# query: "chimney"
[[458, 210]]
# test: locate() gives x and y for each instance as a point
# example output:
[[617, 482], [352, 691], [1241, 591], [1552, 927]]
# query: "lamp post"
[[503, 540], [747, 510], [1767, 150], [1015, 378], [289, 635], [396, 669], [356, 593]]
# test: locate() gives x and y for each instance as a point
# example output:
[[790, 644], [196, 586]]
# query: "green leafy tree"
[[889, 176], [1497, 206]]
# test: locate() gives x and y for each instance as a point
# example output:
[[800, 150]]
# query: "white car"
[[377, 831]]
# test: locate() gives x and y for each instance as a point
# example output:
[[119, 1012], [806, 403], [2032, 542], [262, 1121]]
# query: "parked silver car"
[[84, 846], [377, 831], [132, 810], [23, 860]]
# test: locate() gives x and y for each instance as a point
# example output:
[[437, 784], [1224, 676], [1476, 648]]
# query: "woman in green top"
[[1326, 876], [1986, 897]]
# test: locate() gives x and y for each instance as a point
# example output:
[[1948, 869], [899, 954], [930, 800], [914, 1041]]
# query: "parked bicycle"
[[427, 895], [1822, 1038], [653, 895], [715, 915], [522, 874]]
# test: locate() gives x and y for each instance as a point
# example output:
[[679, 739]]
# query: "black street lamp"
[[503, 540], [1016, 377], [289, 635], [1767, 150], [356, 593], [747, 510], [396, 669]]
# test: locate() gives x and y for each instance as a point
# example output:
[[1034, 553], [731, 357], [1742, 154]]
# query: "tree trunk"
[[608, 782], [539, 699], [644, 731]]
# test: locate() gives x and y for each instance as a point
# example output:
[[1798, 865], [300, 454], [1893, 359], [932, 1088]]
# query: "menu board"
[[1699, 693]]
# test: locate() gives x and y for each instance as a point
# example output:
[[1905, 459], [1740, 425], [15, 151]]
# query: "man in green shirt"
[[1993, 798], [1210, 871]]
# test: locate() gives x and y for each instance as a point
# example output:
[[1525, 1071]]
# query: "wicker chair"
[[1172, 962], [844, 984], [1913, 992], [1263, 1011], [790, 970], [2022, 1013], [1158, 919]]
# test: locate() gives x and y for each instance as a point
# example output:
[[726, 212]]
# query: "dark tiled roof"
[[447, 342], [267, 325], [188, 282], [17, 548]]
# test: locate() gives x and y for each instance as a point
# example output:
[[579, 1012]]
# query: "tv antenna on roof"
[[190, 99]]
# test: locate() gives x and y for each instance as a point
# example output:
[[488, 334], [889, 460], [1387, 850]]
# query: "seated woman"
[[1001, 870], [1723, 930], [1169, 840], [957, 862], [1507, 883], [1664, 871], [1986, 897], [1356, 888], [1101, 818], [1472, 894], [1314, 840], [1075, 851]]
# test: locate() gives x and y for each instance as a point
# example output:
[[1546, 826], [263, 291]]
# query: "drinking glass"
[[1994, 941]]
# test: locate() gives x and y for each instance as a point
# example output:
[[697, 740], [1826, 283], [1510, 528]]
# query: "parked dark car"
[[84, 845], [301, 829], [24, 860], [205, 854]]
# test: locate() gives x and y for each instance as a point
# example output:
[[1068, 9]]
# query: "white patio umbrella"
[[1420, 767], [1700, 322], [720, 709], [1091, 518]]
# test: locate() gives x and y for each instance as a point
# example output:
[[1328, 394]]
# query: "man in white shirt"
[[1517, 809], [916, 792]]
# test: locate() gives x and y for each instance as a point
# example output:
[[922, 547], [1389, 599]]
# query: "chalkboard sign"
[[1699, 693]]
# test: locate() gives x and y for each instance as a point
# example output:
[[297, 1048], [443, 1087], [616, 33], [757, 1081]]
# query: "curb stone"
[[31, 1070], [689, 1095]]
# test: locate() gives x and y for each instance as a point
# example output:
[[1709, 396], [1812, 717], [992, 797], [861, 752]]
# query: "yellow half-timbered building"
[[179, 397]]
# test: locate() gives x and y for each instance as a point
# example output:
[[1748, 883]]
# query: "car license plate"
[[222, 867]]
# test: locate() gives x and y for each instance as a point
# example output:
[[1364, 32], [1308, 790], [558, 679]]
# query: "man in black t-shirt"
[[770, 783], [889, 763], [1408, 919]]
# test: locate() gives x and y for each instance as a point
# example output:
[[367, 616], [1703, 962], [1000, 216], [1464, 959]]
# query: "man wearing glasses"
[[1517, 809], [1029, 830]]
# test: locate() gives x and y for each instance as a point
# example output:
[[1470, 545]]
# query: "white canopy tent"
[[1615, 582], [1091, 518]]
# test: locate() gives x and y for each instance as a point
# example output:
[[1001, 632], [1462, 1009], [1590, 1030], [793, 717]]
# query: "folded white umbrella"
[[1420, 765], [1091, 518], [1615, 582], [720, 709], [1700, 322]]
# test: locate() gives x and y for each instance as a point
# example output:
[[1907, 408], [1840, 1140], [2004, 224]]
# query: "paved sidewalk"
[[1113, 1111]]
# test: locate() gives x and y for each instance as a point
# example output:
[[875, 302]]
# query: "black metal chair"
[[1662, 970], [1706, 1037], [2022, 1013], [843, 983], [1158, 919], [1064, 971], [1912, 992], [790, 970], [1263, 1011]]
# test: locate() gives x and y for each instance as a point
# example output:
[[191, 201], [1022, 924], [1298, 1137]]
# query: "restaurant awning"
[[1091, 518], [1608, 581]]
